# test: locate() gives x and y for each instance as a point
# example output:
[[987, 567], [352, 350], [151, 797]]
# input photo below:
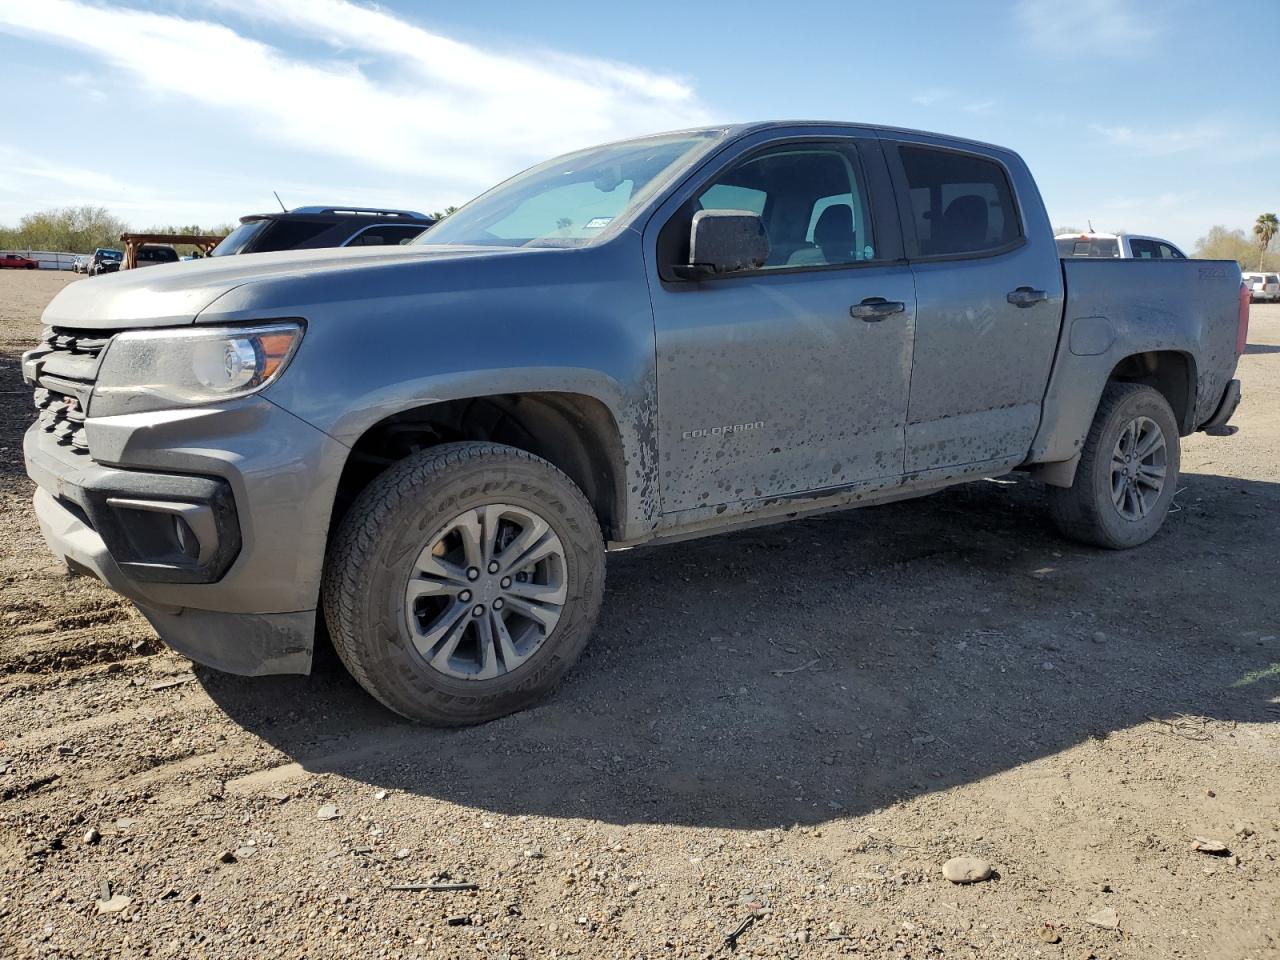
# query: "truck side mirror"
[[724, 241]]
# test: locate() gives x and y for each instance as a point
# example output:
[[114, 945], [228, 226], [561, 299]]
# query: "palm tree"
[[1265, 228]]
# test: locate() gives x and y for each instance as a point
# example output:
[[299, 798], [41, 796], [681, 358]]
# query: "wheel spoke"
[[544, 614], [506, 646], [1117, 489], [490, 521], [534, 529], [430, 587], [439, 569], [489, 665], [443, 635], [1141, 499], [1152, 476], [539, 592], [470, 529], [1151, 441], [544, 547]]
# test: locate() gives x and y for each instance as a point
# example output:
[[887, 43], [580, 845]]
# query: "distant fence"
[[48, 259]]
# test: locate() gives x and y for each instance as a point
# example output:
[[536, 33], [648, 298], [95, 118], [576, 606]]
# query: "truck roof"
[[740, 129]]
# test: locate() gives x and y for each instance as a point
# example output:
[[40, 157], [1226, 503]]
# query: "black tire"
[[379, 542], [1085, 511]]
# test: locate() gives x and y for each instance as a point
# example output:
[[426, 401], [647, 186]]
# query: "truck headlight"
[[161, 369]]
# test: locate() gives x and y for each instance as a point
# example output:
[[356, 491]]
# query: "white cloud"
[[927, 98], [432, 107], [20, 165], [1159, 143], [1080, 29]]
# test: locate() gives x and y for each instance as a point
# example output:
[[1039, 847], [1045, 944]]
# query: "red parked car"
[[18, 261]]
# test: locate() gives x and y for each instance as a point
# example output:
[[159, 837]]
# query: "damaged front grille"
[[62, 370], [62, 416]]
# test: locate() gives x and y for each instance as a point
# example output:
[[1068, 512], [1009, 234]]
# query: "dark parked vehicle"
[[16, 261], [152, 254], [435, 444], [104, 260], [308, 228]]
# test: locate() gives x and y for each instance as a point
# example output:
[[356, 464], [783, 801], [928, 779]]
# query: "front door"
[[794, 377]]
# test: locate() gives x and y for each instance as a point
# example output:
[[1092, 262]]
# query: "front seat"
[[834, 240], [964, 225]]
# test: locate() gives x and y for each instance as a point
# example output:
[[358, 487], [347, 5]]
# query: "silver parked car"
[[1263, 287]]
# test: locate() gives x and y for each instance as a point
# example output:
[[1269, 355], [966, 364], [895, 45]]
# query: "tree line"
[[83, 229]]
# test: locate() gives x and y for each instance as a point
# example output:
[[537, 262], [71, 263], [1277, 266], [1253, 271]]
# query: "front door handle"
[[875, 309], [1026, 297]]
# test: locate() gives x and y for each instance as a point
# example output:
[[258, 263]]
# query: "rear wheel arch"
[[576, 433], [1172, 372]]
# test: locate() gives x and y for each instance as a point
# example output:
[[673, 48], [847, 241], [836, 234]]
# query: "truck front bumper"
[[212, 521]]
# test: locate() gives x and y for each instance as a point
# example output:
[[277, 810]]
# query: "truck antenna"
[[279, 201], [1089, 222]]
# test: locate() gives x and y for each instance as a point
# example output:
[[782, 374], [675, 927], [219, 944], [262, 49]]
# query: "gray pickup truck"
[[435, 444]]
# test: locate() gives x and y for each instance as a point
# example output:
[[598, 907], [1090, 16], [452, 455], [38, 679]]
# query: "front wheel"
[[1128, 471], [464, 582]]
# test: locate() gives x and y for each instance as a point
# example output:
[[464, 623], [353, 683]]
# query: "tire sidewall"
[[1121, 531], [408, 528]]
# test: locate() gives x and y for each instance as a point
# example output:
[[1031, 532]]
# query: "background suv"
[[311, 227], [1125, 246], [1263, 287]]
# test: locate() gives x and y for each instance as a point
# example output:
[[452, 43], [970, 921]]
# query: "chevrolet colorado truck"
[[430, 448]]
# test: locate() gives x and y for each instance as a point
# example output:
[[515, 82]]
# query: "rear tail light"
[[1242, 329]]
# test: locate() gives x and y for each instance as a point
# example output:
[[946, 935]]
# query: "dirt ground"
[[794, 726]]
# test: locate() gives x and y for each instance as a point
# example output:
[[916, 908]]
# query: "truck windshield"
[[571, 200]]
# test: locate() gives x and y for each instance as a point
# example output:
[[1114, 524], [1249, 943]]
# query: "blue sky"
[[1154, 119]]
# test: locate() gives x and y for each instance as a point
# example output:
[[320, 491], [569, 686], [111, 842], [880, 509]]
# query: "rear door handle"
[[874, 309], [1026, 297]]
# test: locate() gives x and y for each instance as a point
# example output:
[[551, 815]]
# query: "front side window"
[[811, 197], [572, 200], [960, 203], [1167, 252]]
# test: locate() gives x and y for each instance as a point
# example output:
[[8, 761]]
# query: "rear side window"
[[1272, 278], [1143, 249], [387, 235], [960, 203], [288, 234]]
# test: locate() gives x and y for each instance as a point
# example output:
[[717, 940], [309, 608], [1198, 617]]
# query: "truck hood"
[[174, 294]]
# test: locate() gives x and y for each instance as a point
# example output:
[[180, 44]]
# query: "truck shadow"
[[819, 669]]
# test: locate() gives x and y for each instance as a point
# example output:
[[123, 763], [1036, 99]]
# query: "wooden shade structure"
[[132, 241]]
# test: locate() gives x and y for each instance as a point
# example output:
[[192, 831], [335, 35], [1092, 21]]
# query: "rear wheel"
[[464, 582], [1128, 471]]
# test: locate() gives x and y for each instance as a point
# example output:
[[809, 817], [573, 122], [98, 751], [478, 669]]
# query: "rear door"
[[773, 382], [989, 296]]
